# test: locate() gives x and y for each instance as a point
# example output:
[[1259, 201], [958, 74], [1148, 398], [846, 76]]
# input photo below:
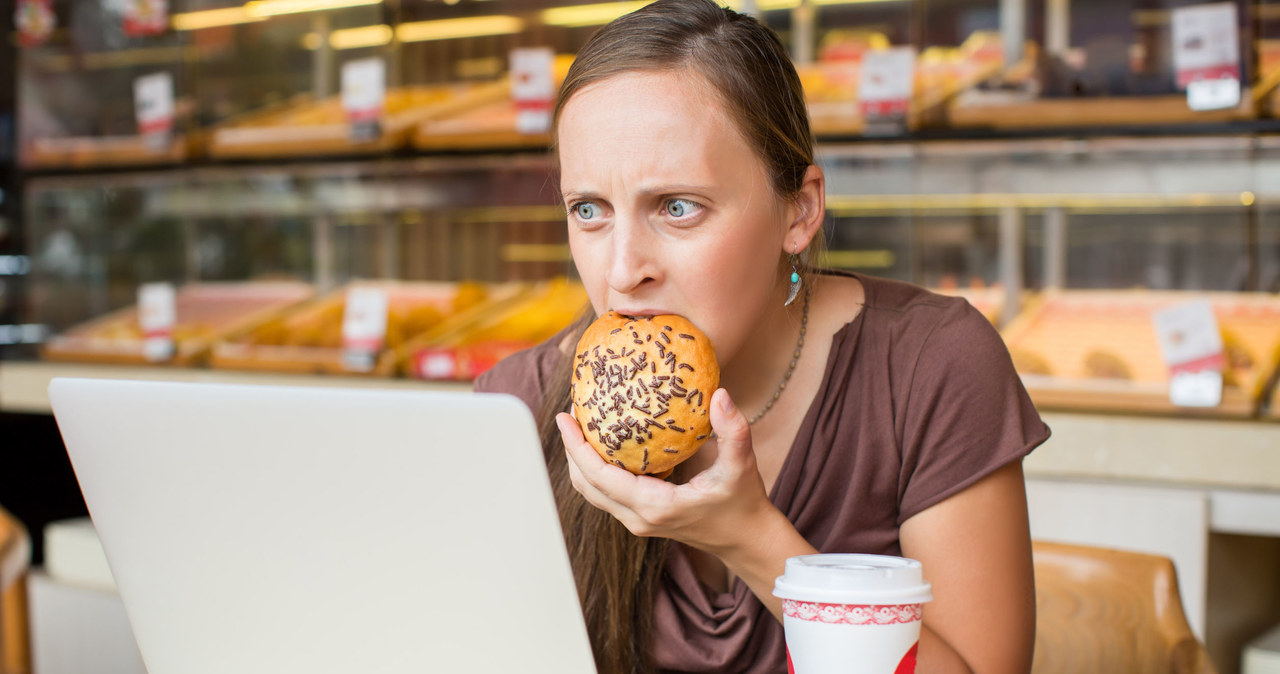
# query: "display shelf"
[[107, 152], [317, 128], [1207, 453], [1045, 113], [24, 386]]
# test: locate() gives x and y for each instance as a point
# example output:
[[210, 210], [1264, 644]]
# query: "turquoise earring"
[[796, 284]]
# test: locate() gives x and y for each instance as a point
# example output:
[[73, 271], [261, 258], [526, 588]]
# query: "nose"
[[632, 262]]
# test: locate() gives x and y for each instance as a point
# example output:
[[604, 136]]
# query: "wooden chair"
[[15, 557], [1100, 610]]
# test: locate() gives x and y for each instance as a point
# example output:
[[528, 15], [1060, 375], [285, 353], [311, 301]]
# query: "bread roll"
[[642, 390]]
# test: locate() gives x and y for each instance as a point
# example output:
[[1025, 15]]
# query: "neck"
[[756, 370]]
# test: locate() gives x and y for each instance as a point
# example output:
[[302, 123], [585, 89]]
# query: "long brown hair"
[[746, 64]]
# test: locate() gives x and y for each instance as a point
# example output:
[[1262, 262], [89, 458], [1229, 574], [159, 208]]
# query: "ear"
[[807, 211]]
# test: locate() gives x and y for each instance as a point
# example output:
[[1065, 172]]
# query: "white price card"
[[153, 106], [1191, 345], [1196, 389], [887, 82], [533, 86], [364, 327], [1206, 55], [435, 364], [157, 315], [364, 96]]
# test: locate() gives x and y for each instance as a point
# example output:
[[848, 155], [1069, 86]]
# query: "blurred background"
[[205, 189]]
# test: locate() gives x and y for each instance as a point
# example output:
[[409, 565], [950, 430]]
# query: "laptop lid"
[[274, 529]]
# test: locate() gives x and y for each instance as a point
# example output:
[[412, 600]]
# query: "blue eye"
[[679, 208], [586, 210]]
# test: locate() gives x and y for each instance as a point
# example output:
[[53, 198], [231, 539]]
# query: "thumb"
[[733, 433]]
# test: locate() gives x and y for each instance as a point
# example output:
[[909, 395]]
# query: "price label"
[[364, 97], [436, 364], [885, 87], [1191, 346], [145, 17], [1196, 389], [1213, 94], [533, 87], [364, 328], [153, 107], [157, 315], [1206, 55], [35, 21]]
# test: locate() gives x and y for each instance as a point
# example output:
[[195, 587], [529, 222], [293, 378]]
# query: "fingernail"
[[726, 404]]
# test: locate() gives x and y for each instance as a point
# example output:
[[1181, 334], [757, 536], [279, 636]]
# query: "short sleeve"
[[967, 413], [522, 374]]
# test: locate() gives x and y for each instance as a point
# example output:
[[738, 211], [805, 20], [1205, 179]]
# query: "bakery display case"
[[280, 175], [1027, 227], [429, 234], [1010, 225], [377, 78]]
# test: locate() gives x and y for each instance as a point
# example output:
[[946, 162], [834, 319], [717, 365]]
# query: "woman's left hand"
[[715, 511]]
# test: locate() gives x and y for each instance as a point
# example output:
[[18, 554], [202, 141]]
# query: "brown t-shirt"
[[919, 400]]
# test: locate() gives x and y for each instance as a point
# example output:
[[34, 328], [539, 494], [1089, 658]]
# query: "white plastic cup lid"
[[853, 579]]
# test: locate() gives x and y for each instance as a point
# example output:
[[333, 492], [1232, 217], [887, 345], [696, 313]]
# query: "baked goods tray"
[[492, 125], [313, 128], [1097, 350], [205, 312], [834, 108], [1016, 111], [467, 348], [1267, 92], [489, 126], [89, 151], [308, 339]]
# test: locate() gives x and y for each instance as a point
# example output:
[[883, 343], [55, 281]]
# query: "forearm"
[[761, 556], [936, 656]]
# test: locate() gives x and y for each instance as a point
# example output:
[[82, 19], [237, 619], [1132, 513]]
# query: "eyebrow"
[[674, 188]]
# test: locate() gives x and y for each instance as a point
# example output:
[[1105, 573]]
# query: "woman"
[[861, 416]]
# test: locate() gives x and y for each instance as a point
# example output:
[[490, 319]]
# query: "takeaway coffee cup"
[[852, 613]]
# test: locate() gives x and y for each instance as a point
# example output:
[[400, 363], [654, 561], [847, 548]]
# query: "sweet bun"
[[642, 390]]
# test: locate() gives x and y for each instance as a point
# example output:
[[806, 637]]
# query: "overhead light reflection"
[[448, 29]]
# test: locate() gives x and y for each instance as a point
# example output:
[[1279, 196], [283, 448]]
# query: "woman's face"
[[669, 209]]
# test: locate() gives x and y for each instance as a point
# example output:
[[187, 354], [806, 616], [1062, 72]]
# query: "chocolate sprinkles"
[[628, 407]]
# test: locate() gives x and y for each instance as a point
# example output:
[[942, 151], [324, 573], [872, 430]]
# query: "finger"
[[618, 485], [580, 455], [733, 432]]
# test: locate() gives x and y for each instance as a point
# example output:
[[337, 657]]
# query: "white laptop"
[[274, 530]]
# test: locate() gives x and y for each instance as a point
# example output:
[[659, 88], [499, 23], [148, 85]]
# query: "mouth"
[[640, 313]]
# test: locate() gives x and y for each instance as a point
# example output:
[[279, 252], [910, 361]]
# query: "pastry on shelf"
[[1103, 364], [465, 350], [204, 312], [310, 127], [309, 339], [831, 84], [492, 125]]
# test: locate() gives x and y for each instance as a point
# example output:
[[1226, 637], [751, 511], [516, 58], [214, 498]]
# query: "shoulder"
[[914, 316], [525, 374]]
